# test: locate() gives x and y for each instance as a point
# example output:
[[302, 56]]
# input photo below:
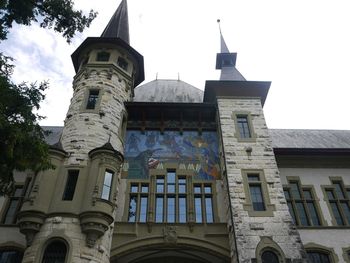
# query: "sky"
[[302, 47]]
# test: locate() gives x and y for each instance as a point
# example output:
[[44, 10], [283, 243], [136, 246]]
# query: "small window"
[[107, 185], [122, 63], [203, 203], [318, 257], [269, 257], [55, 252], [11, 256], [256, 194], [243, 126], [71, 183], [14, 205], [103, 56], [92, 99]]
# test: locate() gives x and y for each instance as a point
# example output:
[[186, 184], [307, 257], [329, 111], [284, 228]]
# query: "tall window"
[[318, 257], [170, 195], [339, 200], [102, 56], [302, 205], [71, 183], [92, 99], [55, 252], [269, 257], [243, 126], [107, 185], [14, 205], [11, 256], [255, 190]]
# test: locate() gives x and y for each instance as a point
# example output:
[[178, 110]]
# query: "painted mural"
[[149, 150]]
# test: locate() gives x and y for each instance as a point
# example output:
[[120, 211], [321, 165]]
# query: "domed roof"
[[166, 90]]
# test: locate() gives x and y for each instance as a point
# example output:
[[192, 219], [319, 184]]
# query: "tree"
[[56, 14], [22, 144]]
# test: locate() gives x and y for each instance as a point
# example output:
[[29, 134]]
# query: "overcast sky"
[[303, 47]]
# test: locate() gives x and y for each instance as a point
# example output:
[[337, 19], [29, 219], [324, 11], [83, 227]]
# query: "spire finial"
[[219, 25]]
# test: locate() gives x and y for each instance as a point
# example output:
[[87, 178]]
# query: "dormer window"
[[103, 56], [122, 63]]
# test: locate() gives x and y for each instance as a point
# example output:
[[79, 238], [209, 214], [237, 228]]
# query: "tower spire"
[[226, 61], [118, 26]]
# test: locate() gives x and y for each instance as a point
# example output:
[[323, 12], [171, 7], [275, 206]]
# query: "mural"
[[151, 149]]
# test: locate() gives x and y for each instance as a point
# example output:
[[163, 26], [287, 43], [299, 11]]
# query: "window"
[[339, 201], [269, 257], [302, 204], [107, 185], [318, 257], [102, 56], [170, 196], [11, 256], [92, 99], [243, 126], [255, 191], [55, 252], [122, 63], [71, 183], [14, 205]]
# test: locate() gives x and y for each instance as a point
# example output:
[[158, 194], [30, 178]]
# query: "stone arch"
[[322, 249], [54, 237], [267, 244]]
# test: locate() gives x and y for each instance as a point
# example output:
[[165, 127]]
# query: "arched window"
[[55, 252], [318, 257], [269, 257], [11, 256]]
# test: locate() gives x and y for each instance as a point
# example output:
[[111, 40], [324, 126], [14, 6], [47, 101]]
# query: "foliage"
[[56, 14], [21, 137]]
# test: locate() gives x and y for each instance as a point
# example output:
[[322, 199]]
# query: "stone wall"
[[256, 154]]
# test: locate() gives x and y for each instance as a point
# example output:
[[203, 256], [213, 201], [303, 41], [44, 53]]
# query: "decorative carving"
[[29, 224], [170, 234]]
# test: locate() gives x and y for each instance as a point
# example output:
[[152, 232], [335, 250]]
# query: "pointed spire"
[[118, 26], [226, 61]]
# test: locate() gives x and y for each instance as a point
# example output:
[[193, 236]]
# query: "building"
[[163, 172]]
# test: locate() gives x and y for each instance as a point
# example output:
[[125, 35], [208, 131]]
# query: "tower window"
[[71, 183], [92, 99], [269, 257], [103, 56], [122, 63], [243, 126], [107, 185], [255, 190], [55, 252], [14, 205], [11, 256]]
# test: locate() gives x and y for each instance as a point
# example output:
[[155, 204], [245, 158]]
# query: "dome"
[[166, 90]]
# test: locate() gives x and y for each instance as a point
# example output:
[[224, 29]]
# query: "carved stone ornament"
[[93, 232], [170, 234]]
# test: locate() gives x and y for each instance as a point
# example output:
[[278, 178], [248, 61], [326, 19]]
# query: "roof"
[[281, 138], [312, 139], [118, 26], [167, 90]]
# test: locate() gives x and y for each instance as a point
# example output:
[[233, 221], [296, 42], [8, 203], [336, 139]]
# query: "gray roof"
[[118, 26], [294, 139], [167, 90], [321, 139]]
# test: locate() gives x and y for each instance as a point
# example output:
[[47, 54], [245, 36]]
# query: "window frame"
[[248, 205], [52, 240], [304, 201], [313, 247], [237, 134], [110, 186], [86, 98], [338, 201], [105, 53], [69, 174]]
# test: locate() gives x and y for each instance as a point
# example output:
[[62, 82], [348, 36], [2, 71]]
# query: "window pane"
[[171, 210], [207, 189], [209, 210], [318, 257], [257, 197], [71, 183], [159, 209], [336, 214], [302, 214], [286, 194], [160, 185], [18, 191], [313, 213], [295, 190], [348, 192], [330, 194], [197, 189], [338, 190], [106, 190], [182, 209], [307, 194], [144, 189], [122, 63], [134, 188], [243, 126], [182, 185], [198, 209], [11, 212], [269, 257], [143, 209], [253, 177], [171, 182], [346, 210], [132, 209], [292, 213], [55, 252], [102, 56], [11, 256], [92, 99]]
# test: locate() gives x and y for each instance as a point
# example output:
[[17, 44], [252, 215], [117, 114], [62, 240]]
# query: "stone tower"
[[259, 219], [71, 208]]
